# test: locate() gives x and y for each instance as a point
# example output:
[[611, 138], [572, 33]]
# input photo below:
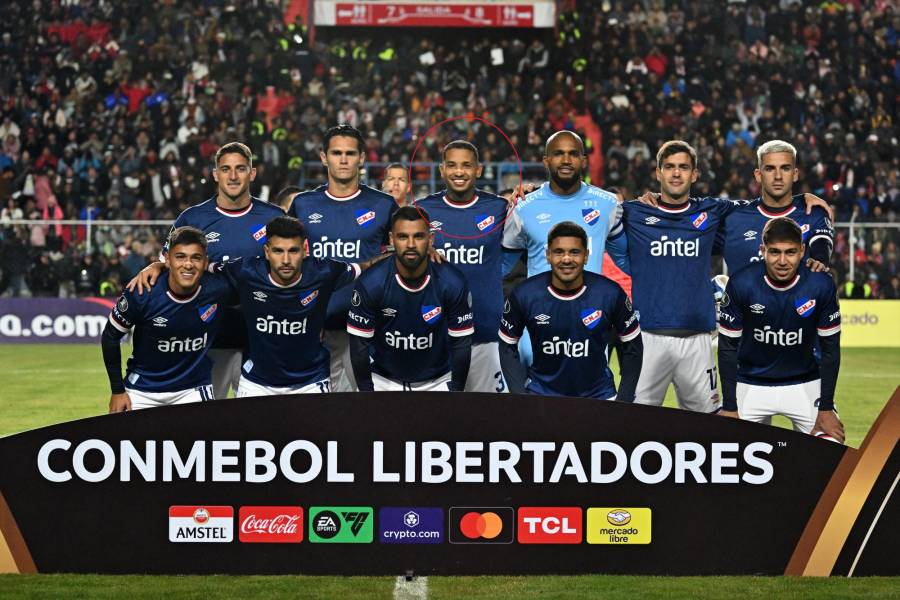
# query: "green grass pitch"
[[46, 384]]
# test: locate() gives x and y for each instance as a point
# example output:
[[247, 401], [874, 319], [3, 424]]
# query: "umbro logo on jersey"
[[804, 306], [651, 220], [261, 296], [544, 218], [160, 321], [212, 236], [701, 221], [750, 235], [431, 313], [436, 225], [542, 319], [484, 222], [315, 218], [389, 312], [590, 216], [365, 218], [591, 318], [258, 232], [310, 298], [757, 308]]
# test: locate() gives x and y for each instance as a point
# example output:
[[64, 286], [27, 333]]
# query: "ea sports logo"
[[327, 524], [201, 516], [475, 525]]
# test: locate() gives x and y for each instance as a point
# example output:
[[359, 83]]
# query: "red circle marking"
[[428, 134], [472, 525]]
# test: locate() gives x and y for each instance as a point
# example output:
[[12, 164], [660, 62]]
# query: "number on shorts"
[[501, 383], [712, 378], [324, 386]]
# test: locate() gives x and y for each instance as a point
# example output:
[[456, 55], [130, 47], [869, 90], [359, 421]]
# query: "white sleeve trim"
[[461, 332], [508, 339], [364, 333], [829, 330], [357, 271], [630, 336], [115, 324], [822, 236], [732, 333]]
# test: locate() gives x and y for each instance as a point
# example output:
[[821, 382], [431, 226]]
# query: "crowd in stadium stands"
[[114, 109]]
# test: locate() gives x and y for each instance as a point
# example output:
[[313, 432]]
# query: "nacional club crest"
[[484, 222], [310, 298], [701, 221], [590, 216], [259, 233], [365, 218], [590, 317], [207, 312], [804, 306], [431, 313]]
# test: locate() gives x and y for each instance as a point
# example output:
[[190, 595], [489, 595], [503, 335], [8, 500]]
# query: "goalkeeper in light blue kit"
[[564, 198]]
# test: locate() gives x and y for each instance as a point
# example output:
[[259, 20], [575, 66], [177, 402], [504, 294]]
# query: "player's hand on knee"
[[650, 198], [828, 423], [816, 266], [729, 413], [119, 403], [144, 280]]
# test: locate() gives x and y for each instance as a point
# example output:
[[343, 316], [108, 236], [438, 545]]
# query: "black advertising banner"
[[429, 483]]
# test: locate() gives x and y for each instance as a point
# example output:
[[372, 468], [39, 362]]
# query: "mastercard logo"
[[475, 525], [482, 525]]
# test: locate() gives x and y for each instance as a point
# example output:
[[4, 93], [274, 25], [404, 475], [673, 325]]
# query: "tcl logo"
[[550, 525], [271, 524]]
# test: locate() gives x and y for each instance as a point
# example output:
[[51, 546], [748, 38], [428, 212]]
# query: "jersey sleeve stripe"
[[826, 331], [507, 338], [460, 332], [631, 334], [357, 271], [821, 236], [366, 333], [120, 326], [735, 333]]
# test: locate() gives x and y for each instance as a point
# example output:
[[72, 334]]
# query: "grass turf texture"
[[439, 588], [44, 384]]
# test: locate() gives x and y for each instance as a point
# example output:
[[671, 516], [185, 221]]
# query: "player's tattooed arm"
[[119, 401], [145, 280], [367, 264], [517, 193]]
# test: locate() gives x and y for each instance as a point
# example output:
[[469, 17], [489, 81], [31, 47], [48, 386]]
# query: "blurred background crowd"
[[113, 110]]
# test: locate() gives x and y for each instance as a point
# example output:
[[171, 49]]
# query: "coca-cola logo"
[[286, 524], [271, 524]]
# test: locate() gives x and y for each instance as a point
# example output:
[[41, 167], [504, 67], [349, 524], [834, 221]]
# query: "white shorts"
[[247, 388], [383, 384], [338, 344], [686, 362], [226, 371], [797, 402], [141, 399], [485, 374]]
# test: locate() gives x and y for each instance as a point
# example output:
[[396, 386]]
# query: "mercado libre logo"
[[470, 118]]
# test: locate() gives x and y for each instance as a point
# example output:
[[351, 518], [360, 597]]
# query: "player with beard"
[[235, 226], [174, 325], [410, 320], [571, 316], [564, 198], [468, 224], [771, 316], [345, 221]]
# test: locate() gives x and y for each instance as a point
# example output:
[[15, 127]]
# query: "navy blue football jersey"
[[778, 324], [669, 251], [171, 334], [411, 326], [229, 235], [569, 333], [284, 323], [741, 234], [352, 229], [469, 236]]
